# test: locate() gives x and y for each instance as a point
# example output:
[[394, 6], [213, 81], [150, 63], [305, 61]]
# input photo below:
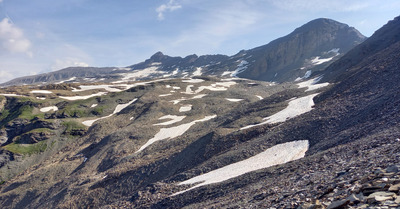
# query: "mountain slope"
[[282, 59], [308, 49], [151, 138]]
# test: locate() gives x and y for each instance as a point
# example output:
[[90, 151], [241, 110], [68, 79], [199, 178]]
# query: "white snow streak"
[[312, 84], [233, 100], [118, 109], [41, 92], [185, 108], [47, 109], [295, 108], [72, 98], [278, 154], [169, 133], [174, 119]]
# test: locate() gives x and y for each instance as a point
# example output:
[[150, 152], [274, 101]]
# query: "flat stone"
[[338, 204], [380, 196], [394, 188], [392, 169]]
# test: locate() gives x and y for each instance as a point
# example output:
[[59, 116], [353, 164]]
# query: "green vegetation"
[[40, 130], [98, 110], [26, 149], [72, 125]]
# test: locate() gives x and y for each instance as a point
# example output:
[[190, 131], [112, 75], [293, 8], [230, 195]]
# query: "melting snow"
[[198, 72], [318, 61], [41, 92], [169, 133], [260, 97], [47, 109], [233, 100], [139, 73], [185, 108], [241, 67], [72, 98], [312, 84], [93, 105], [295, 108], [174, 119], [193, 80], [71, 79], [12, 95], [165, 95], [118, 109], [278, 154]]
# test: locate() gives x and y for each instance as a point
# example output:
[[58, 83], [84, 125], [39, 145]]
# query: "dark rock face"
[[277, 60]]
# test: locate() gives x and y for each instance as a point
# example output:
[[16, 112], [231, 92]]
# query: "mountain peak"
[[157, 56]]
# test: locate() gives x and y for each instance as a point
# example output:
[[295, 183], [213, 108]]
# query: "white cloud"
[[318, 5], [168, 7], [12, 38], [68, 62]]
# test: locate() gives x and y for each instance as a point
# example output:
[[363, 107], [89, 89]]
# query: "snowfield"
[[41, 92], [169, 133], [234, 100], [185, 108], [173, 119], [295, 108], [278, 154], [47, 109], [73, 98], [312, 84], [117, 109]]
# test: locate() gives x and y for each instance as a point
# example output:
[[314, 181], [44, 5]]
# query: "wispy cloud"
[[318, 5], [12, 38], [168, 7]]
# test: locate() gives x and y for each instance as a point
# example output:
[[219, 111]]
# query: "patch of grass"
[[40, 130], [71, 125], [26, 149], [98, 110]]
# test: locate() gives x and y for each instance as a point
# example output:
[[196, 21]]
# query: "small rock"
[[338, 204], [394, 188], [392, 169], [353, 199], [380, 197]]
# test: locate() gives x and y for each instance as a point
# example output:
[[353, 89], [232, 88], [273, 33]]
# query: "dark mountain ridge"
[[282, 60]]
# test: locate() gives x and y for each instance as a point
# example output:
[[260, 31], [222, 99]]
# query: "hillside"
[[327, 140]]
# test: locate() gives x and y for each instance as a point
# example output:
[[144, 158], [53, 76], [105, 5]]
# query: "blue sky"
[[38, 36]]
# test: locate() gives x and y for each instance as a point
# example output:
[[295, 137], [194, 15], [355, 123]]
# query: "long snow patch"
[[117, 109], [312, 84], [169, 133], [296, 107], [278, 154], [47, 109]]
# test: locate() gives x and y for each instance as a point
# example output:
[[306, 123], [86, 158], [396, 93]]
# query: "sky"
[[39, 36]]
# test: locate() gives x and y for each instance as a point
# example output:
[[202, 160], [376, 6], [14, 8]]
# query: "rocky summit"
[[310, 120]]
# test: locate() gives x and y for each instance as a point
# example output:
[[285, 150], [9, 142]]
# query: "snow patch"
[[71, 79], [260, 97], [165, 95], [318, 61], [41, 92], [278, 154], [169, 133], [73, 98], [174, 119], [94, 105], [193, 80], [117, 109], [198, 71], [295, 108], [185, 108], [47, 109], [234, 100], [312, 84]]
